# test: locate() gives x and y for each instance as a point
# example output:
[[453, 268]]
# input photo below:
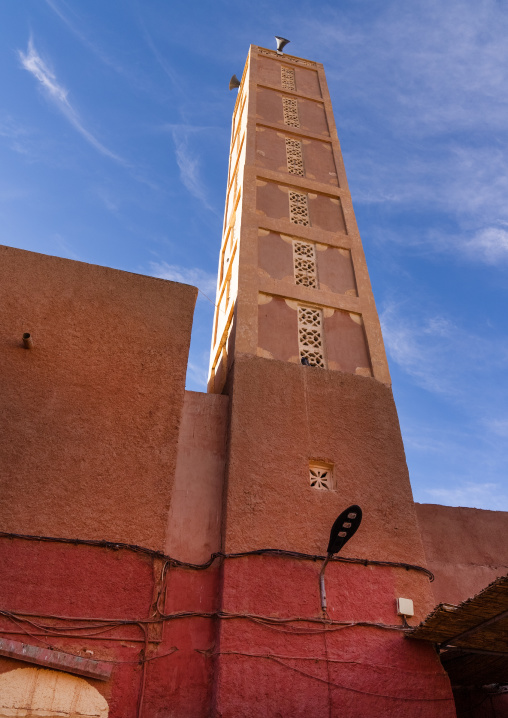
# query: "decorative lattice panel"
[[290, 109], [294, 157], [320, 477], [288, 78], [304, 259], [310, 336], [298, 208]]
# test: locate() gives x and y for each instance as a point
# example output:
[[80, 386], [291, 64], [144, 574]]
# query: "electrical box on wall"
[[405, 607]]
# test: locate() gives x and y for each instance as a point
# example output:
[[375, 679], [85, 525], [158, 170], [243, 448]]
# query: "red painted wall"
[[282, 417], [308, 667], [262, 666], [104, 600]]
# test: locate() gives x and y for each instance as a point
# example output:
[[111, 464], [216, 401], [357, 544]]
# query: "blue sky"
[[114, 140]]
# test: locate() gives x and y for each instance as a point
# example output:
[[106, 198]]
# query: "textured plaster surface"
[[287, 670], [90, 416], [91, 584], [317, 156], [465, 548], [306, 80], [278, 330], [283, 415], [276, 256], [194, 520], [335, 270], [346, 348], [311, 114], [325, 213]]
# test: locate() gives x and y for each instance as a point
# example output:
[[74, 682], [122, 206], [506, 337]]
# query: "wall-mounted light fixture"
[[344, 527]]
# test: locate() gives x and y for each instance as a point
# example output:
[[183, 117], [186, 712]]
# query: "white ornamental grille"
[[298, 208], [320, 478], [290, 109], [304, 259], [294, 157], [288, 78], [310, 336]]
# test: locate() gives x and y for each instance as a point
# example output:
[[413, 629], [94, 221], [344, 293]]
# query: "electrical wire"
[[332, 684], [94, 628], [115, 545]]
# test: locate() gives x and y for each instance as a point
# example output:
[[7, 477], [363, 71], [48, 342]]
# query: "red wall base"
[[242, 638]]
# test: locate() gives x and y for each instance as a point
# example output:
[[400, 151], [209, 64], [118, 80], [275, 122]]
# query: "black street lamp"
[[344, 527]]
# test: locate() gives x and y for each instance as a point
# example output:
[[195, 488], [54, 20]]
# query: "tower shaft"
[[293, 282]]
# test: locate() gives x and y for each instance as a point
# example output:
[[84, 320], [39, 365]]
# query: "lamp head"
[[344, 527]]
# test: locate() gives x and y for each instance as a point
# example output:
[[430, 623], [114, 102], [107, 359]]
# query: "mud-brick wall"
[[466, 548], [90, 416]]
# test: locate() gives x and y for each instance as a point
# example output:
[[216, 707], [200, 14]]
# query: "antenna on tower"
[[281, 44]]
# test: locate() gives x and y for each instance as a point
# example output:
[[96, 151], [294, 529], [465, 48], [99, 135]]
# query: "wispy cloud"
[[489, 245], [204, 281], [56, 93], [478, 495], [418, 347], [439, 354], [499, 427], [189, 163], [165, 65], [93, 47], [65, 248], [198, 373], [439, 124]]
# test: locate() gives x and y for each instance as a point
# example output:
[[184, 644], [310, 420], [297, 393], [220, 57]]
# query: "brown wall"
[[335, 270], [284, 415], [466, 548], [278, 329], [194, 520], [90, 416], [306, 81], [345, 346], [324, 212], [318, 161], [311, 114]]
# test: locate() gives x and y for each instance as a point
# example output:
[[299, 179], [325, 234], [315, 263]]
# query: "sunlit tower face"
[[293, 283]]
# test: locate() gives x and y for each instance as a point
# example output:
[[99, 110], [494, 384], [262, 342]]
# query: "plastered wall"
[[465, 548], [90, 415]]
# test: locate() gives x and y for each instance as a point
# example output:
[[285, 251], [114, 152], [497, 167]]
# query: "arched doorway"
[[39, 692]]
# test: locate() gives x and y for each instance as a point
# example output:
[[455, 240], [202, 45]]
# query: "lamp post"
[[344, 527]]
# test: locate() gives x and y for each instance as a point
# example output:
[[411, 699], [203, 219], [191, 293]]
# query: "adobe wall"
[[465, 548], [112, 604], [90, 416], [283, 416], [194, 520], [280, 656]]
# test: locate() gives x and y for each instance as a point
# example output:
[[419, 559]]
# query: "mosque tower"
[[313, 428]]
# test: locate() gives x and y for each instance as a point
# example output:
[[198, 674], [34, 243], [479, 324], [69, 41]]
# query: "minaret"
[[312, 429], [293, 283]]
